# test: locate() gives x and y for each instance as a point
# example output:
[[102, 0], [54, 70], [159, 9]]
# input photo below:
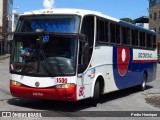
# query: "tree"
[[129, 20]]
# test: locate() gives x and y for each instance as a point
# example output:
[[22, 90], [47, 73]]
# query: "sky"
[[114, 8]]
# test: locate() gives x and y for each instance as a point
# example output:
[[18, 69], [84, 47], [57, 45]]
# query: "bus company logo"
[[81, 91], [123, 57], [37, 84], [6, 114]]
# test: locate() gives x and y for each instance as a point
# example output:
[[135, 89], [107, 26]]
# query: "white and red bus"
[[79, 54]]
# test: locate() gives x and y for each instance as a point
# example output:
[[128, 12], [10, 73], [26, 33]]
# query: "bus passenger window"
[[102, 31], [148, 40], [154, 41], [134, 36], [125, 36], [115, 33], [112, 33], [106, 31], [142, 39]]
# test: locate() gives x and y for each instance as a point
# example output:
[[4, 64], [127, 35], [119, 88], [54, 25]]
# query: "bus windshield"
[[56, 23], [44, 55]]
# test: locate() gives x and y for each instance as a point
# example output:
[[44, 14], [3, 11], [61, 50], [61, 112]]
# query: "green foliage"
[[129, 20]]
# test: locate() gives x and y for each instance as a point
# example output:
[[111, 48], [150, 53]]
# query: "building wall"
[[4, 17], [1, 15], [6, 7], [9, 14], [154, 2], [144, 25], [1, 10], [15, 17], [154, 19]]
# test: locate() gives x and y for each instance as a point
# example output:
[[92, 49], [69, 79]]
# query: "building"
[[6, 7], [154, 19], [15, 17], [142, 22]]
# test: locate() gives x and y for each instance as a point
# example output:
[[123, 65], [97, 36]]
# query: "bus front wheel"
[[95, 98]]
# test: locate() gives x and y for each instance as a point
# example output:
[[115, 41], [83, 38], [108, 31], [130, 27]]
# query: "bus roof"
[[68, 11], [82, 12], [136, 27]]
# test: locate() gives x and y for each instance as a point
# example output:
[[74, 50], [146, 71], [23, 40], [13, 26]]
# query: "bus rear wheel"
[[143, 85], [95, 98]]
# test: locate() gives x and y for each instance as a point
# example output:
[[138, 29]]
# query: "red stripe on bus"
[[144, 61]]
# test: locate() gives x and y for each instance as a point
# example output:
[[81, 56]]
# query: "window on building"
[[0, 29], [155, 15], [150, 16], [152, 3]]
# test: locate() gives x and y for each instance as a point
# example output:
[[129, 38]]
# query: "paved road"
[[125, 100]]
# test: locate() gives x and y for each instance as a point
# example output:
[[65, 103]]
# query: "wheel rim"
[[144, 83]]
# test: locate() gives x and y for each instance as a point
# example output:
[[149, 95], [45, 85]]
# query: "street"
[[125, 100]]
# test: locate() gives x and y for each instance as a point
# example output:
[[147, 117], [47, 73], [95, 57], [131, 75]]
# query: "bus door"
[[86, 44]]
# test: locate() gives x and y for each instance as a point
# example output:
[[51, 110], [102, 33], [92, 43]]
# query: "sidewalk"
[[4, 56], [153, 99]]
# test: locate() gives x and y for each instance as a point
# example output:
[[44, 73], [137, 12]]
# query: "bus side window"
[[154, 41], [134, 36], [102, 31], [126, 36], [118, 34], [148, 40], [142, 39], [113, 33]]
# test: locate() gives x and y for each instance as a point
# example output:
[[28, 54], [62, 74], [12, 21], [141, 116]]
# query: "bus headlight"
[[71, 85], [13, 82]]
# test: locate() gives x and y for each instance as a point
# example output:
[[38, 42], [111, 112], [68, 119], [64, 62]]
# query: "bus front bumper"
[[67, 94]]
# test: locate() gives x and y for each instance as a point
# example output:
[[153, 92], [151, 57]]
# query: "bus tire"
[[96, 93], [143, 85]]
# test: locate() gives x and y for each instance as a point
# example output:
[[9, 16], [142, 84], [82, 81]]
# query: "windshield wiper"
[[45, 65]]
